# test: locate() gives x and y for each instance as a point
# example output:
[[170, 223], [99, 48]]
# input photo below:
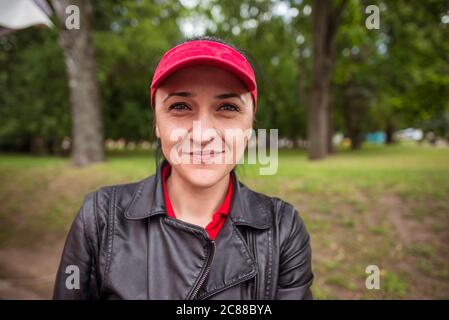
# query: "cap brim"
[[206, 60]]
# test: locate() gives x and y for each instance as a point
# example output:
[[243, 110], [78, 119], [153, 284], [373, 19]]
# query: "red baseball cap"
[[207, 52]]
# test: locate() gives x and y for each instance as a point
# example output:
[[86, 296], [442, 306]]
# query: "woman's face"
[[203, 117]]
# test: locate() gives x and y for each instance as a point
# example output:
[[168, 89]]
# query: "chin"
[[204, 175]]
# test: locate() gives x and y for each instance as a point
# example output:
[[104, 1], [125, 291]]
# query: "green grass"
[[406, 169], [381, 205]]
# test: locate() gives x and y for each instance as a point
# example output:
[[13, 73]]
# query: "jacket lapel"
[[233, 262]]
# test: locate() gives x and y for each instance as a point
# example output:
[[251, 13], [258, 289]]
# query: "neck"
[[195, 204]]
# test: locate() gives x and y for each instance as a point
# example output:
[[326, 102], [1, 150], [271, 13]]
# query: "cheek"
[[236, 140], [175, 139], [170, 135]]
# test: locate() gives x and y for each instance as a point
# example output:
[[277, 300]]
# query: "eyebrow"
[[229, 95], [220, 96], [180, 94]]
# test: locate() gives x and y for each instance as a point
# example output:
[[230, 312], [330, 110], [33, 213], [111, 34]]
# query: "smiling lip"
[[204, 155]]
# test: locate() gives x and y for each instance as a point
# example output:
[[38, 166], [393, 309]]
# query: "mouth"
[[205, 155]]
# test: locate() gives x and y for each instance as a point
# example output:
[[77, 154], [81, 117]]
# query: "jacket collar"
[[247, 206]]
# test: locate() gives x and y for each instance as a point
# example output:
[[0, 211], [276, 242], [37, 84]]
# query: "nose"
[[203, 129]]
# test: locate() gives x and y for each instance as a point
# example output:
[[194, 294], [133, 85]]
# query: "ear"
[[157, 132]]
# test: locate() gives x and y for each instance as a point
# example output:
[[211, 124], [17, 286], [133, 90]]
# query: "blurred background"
[[359, 91]]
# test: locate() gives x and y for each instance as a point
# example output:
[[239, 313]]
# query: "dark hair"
[[159, 155]]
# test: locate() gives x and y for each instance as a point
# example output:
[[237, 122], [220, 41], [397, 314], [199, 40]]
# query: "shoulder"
[[100, 205], [288, 227], [284, 217], [119, 196]]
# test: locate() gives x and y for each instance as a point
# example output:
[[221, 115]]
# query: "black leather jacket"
[[125, 246]]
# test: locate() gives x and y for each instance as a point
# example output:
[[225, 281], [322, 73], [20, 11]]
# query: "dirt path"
[[29, 273]]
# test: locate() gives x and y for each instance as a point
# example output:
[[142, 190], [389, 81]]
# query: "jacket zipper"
[[256, 278], [206, 271]]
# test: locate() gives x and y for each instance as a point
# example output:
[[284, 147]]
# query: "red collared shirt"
[[219, 216]]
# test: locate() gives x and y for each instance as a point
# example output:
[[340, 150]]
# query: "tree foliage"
[[386, 79]]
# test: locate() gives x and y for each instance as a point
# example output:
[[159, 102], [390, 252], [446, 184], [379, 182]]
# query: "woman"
[[192, 230]]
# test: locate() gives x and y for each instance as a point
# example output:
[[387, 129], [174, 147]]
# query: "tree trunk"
[[325, 23], [85, 104], [317, 118], [330, 128], [302, 94], [389, 134], [355, 111], [356, 139], [301, 79], [38, 146]]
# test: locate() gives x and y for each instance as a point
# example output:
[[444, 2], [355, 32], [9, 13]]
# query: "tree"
[[34, 110], [85, 104], [416, 64], [326, 19]]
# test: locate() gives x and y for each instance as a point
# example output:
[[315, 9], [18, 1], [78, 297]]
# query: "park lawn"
[[386, 206]]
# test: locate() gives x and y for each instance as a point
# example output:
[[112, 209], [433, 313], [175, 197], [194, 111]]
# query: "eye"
[[229, 107], [179, 106]]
